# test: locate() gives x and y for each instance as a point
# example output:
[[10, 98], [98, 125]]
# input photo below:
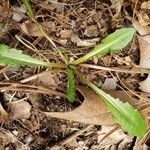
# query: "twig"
[[29, 88], [134, 70]]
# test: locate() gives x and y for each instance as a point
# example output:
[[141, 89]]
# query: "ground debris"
[[75, 27]]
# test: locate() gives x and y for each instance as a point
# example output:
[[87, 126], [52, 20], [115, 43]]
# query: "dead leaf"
[[37, 101], [144, 31], [144, 43], [144, 53], [47, 80], [92, 110], [63, 41], [3, 115], [110, 84], [30, 29], [88, 42], [18, 13], [65, 34], [145, 5], [91, 31], [20, 109], [115, 137], [144, 19]]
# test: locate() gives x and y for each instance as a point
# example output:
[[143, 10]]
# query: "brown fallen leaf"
[[144, 43], [31, 29], [144, 19], [87, 42], [18, 13], [3, 115], [65, 34], [92, 31], [109, 84], [20, 109], [92, 110], [145, 5], [144, 31]]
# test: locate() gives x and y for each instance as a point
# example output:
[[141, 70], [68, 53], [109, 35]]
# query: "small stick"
[[29, 88], [135, 70]]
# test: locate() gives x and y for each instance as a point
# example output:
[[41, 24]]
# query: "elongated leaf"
[[70, 85], [112, 43], [124, 114], [128, 117], [15, 57]]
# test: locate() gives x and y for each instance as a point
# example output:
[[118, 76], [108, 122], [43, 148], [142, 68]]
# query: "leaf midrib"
[[97, 51], [101, 93], [38, 62]]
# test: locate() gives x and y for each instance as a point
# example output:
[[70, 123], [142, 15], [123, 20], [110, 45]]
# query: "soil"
[[65, 21]]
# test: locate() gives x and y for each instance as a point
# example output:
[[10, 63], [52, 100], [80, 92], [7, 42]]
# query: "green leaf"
[[128, 117], [112, 43], [124, 114], [119, 39], [70, 85], [15, 57]]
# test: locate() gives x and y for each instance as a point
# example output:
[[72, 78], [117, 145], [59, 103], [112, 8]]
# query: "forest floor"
[[75, 26]]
